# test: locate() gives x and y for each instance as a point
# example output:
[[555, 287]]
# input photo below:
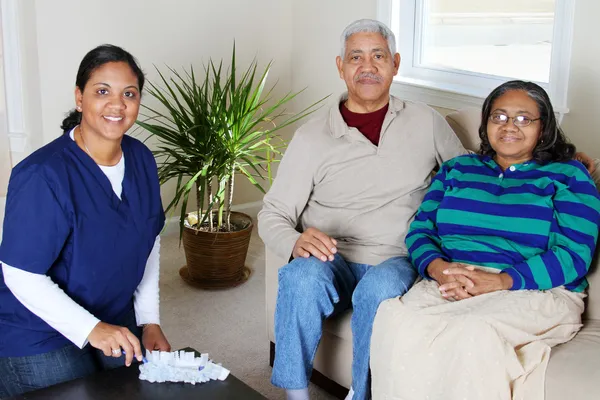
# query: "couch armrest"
[[273, 263]]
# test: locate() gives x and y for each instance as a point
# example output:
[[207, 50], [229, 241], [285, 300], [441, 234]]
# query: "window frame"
[[455, 89], [13, 76]]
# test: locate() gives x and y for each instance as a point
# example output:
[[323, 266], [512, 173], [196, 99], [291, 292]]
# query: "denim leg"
[[129, 322], [23, 374], [310, 290], [391, 278]]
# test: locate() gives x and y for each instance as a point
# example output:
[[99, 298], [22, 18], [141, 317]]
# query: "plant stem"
[[230, 183], [269, 160], [210, 200], [198, 207]]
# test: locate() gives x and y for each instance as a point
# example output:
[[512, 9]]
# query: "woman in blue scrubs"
[[81, 239]]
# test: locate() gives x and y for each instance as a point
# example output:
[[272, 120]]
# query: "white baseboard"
[[252, 209]]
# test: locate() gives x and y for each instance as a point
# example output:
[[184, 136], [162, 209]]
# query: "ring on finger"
[[115, 351]]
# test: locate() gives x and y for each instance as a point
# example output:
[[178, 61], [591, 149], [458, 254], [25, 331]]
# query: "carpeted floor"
[[229, 324]]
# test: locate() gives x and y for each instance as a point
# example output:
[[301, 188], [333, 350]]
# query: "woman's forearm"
[[40, 295]]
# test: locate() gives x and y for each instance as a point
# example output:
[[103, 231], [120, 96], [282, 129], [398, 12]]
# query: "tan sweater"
[[334, 179]]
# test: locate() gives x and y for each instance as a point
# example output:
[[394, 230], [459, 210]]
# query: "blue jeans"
[[23, 374], [311, 290]]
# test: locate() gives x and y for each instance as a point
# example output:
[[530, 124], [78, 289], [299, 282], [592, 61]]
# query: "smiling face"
[[368, 69], [109, 102], [512, 144]]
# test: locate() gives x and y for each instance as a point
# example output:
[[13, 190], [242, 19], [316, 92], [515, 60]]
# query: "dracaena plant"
[[210, 129]]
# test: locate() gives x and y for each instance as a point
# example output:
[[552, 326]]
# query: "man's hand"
[[153, 338], [484, 282], [112, 338], [451, 286], [585, 160], [316, 243]]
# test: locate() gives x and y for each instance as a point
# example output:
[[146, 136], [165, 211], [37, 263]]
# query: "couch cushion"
[[465, 123], [592, 310], [340, 325], [574, 368]]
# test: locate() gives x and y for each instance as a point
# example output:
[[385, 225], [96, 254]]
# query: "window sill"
[[445, 95]]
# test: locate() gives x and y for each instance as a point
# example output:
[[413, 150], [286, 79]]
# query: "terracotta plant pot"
[[215, 260]]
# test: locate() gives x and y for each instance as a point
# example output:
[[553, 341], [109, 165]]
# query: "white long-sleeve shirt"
[[40, 295]]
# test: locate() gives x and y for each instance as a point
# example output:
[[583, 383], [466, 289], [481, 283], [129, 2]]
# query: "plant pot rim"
[[248, 228]]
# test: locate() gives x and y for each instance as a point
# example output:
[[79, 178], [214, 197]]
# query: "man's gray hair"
[[368, 25]]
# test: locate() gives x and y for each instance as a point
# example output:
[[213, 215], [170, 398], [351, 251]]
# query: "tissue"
[[180, 366]]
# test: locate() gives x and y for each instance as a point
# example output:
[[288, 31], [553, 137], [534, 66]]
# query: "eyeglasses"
[[520, 121]]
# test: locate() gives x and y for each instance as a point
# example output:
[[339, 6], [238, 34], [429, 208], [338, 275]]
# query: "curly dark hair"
[[93, 60], [552, 145]]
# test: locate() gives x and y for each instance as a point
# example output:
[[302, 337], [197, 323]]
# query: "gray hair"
[[368, 25]]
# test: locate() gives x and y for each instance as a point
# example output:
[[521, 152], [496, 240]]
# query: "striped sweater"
[[536, 222]]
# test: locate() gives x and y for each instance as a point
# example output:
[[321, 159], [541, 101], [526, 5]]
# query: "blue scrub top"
[[64, 220]]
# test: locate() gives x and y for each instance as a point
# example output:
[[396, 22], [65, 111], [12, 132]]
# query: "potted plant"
[[211, 130]]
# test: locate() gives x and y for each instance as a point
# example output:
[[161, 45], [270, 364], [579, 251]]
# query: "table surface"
[[124, 383]]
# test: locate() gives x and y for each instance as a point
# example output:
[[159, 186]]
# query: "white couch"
[[574, 368]]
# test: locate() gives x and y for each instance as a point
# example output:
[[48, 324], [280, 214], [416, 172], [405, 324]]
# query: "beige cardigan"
[[334, 179]]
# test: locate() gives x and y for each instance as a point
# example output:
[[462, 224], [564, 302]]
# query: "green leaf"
[[208, 125]]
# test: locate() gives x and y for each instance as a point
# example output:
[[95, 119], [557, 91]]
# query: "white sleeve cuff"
[[146, 297]]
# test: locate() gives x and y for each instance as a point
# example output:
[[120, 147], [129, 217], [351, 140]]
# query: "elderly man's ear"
[[396, 62]]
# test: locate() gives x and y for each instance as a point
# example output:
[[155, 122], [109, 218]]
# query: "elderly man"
[[350, 181]]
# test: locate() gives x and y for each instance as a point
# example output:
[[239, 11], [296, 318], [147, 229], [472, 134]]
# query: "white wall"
[[176, 33]]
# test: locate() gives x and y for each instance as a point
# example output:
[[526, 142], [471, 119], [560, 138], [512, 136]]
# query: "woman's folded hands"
[[458, 281]]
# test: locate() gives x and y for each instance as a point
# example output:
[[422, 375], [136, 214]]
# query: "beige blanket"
[[493, 346]]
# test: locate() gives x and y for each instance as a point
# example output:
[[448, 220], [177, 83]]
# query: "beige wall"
[[302, 36], [317, 28], [582, 124], [177, 33]]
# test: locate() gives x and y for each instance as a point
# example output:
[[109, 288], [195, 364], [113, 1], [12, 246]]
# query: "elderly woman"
[[503, 240]]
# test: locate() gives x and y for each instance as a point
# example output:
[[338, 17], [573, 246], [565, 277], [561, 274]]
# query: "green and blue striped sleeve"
[[422, 240], [572, 240]]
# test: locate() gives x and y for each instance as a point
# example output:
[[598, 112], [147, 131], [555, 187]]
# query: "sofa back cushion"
[[465, 123]]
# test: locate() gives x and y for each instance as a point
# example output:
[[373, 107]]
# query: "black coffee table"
[[123, 383]]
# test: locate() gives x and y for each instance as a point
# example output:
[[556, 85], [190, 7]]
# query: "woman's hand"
[[451, 286], [484, 282], [112, 338], [154, 338]]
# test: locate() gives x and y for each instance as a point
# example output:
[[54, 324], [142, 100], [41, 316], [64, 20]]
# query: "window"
[[454, 52]]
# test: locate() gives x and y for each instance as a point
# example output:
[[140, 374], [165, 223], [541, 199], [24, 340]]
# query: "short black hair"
[[93, 60], [552, 144]]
